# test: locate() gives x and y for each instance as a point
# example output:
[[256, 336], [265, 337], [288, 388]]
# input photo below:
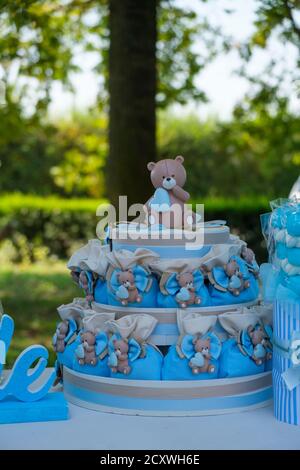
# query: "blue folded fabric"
[[169, 301], [176, 368], [67, 357], [101, 367], [146, 284], [143, 368], [233, 363], [100, 292], [172, 293], [227, 298]]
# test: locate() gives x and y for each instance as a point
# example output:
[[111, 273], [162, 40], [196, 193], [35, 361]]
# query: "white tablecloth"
[[93, 430]]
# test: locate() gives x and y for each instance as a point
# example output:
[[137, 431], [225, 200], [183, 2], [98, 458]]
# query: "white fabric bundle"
[[220, 254], [91, 257], [78, 310], [126, 259], [263, 312], [175, 265], [192, 323], [97, 321], [139, 326], [233, 322]]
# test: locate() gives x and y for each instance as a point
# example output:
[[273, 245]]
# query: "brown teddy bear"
[[61, 332], [128, 292], [84, 284], [168, 178], [201, 361], [236, 282], [261, 343], [88, 341], [249, 257], [121, 350], [81, 279], [186, 283]]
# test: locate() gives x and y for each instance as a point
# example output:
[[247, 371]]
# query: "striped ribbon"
[[286, 322]]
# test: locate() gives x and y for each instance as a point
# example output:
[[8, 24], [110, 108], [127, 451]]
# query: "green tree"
[[277, 22], [40, 40]]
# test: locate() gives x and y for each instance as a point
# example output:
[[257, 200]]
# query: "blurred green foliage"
[[35, 229], [257, 152], [39, 157]]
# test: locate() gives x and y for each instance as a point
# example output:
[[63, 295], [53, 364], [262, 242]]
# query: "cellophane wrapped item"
[[281, 285]]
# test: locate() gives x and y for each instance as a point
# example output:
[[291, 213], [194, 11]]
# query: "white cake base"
[[168, 398]]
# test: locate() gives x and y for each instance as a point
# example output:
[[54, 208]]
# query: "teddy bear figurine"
[[121, 349], [186, 296], [86, 282], [249, 257], [200, 362], [87, 353], [261, 342], [166, 206], [61, 333], [228, 278], [127, 292]]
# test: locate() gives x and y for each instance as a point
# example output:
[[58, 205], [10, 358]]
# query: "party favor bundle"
[[281, 279]]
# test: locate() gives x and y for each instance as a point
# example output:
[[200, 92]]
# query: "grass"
[[31, 295]]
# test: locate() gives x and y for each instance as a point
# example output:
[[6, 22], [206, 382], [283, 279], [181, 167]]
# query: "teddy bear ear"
[[179, 159], [151, 166]]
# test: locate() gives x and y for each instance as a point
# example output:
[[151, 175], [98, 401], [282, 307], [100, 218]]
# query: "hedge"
[[59, 224]]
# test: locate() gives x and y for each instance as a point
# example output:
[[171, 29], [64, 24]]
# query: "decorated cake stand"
[[149, 287]]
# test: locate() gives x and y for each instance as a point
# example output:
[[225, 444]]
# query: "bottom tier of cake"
[[168, 398]]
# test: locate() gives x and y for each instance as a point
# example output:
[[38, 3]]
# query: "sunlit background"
[[227, 99]]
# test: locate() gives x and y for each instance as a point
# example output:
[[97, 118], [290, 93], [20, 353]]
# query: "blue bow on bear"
[[188, 345], [173, 286], [256, 342], [140, 277], [71, 331], [201, 350], [122, 352], [101, 343], [233, 277]]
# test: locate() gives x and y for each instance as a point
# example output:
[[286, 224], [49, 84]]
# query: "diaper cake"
[[170, 322]]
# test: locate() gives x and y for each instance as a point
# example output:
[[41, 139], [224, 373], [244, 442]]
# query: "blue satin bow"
[[141, 279], [172, 286], [188, 348], [134, 350], [258, 351], [100, 345], [72, 329], [290, 349]]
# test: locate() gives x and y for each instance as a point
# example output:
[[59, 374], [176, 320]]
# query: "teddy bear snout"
[[169, 182]]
